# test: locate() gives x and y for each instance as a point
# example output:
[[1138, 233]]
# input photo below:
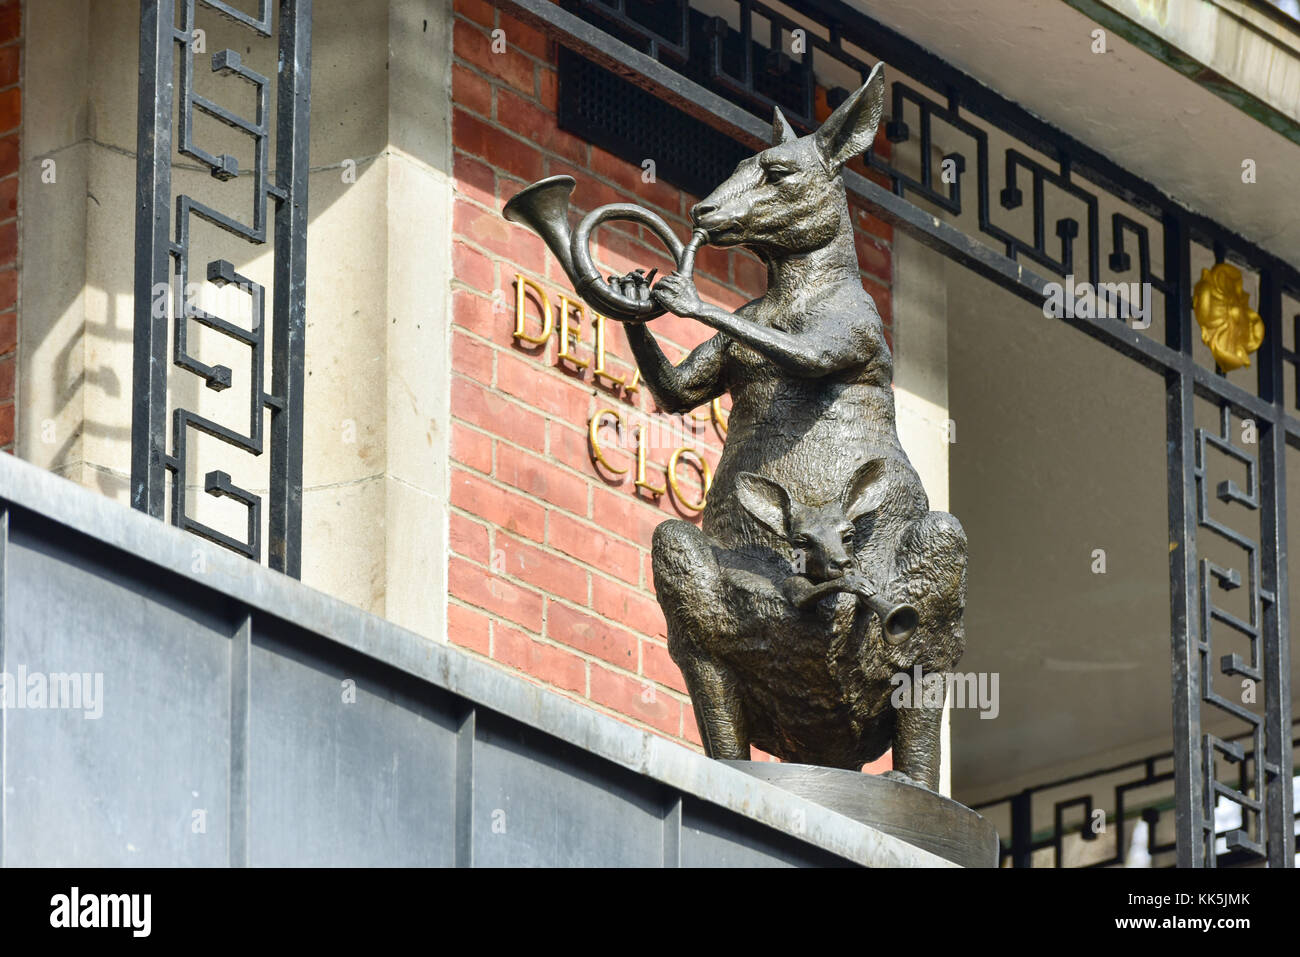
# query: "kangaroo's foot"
[[917, 745], [718, 710]]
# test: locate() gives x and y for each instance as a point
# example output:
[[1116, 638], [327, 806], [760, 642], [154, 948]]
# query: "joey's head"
[[789, 199], [822, 535]]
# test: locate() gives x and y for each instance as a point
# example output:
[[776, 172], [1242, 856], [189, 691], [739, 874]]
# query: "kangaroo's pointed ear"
[[865, 491], [782, 131], [850, 130], [766, 500]]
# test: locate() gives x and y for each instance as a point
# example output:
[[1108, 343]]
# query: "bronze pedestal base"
[[913, 814]]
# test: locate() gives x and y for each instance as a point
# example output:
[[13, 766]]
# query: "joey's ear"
[[865, 491], [765, 500], [850, 130], [782, 131]]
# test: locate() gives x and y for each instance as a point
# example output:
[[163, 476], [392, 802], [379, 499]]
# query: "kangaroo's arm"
[[833, 348], [680, 388], [802, 593]]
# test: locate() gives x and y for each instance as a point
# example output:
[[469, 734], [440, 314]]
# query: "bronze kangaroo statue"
[[810, 377], [819, 573]]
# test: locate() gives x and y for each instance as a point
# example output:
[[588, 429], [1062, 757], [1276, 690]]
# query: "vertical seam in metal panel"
[[464, 788], [240, 691], [673, 833]]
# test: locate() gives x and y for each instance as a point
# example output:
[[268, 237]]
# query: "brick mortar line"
[[513, 401], [590, 608], [494, 616], [874, 237], [495, 81], [598, 390], [487, 33], [554, 552], [586, 699], [590, 481], [588, 386], [589, 171], [681, 216], [585, 381], [498, 347], [628, 719], [551, 641], [625, 718]]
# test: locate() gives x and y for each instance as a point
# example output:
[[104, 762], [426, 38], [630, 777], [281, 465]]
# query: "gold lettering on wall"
[[701, 466], [716, 413], [641, 452], [521, 302], [601, 351], [566, 330], [593, 434], [600, 372], [607, 428]]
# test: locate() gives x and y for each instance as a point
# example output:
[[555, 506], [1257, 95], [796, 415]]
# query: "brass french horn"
[[544, 208]]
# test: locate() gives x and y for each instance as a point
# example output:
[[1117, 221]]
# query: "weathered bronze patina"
[[820, 572]]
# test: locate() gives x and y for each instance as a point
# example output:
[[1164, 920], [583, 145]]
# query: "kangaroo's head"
[[789, 199], [822, 534]]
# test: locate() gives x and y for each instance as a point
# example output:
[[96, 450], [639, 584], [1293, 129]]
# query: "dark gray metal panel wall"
[[711, 838], [538, 801], [333, 780], [120, 789], [228, 734]]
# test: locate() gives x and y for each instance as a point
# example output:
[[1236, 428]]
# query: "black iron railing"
[[1065, 814], [163, 275]]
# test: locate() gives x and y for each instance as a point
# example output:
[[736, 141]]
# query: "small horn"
[[544, 208], [898, 621]]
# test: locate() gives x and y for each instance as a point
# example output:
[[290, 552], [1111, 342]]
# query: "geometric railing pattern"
[[1122, 815], [165, 276]]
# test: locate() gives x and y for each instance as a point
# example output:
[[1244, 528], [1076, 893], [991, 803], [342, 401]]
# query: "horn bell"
[[899, 622], [544, 208]]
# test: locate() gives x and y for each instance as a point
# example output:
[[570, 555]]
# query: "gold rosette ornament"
[[1229, 326]]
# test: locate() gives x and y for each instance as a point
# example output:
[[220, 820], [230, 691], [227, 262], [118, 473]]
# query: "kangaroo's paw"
[[903, 778]]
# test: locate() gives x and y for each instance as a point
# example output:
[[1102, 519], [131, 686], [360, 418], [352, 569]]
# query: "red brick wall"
[[10, 125], [550, 566]]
